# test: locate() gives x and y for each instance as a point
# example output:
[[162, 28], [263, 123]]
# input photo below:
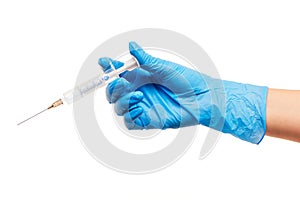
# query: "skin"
[[283, 114]]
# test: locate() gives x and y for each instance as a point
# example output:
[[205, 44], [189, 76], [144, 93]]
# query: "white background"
[[42, 47]]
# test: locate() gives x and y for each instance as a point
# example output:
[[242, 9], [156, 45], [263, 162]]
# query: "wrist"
[[245, 115]]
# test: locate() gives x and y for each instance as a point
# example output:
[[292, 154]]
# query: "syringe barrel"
[[91, 85]]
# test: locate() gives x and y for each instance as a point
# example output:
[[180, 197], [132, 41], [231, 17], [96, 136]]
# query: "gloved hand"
[[161, 94]]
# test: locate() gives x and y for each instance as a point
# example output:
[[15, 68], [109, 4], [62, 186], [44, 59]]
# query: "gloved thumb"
[[147, 62]]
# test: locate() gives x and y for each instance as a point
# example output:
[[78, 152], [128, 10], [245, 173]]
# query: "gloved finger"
[[129, 117], [146, 61], [161, 68], [136, 119], [128, 102], [106, 63], [119, 87]]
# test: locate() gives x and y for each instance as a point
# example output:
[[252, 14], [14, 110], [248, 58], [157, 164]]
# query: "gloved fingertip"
[[134, 46], [116, 88], [138, 94], [117, 64], [136, 97], [143, 120], [137, 52], [131, 116], [135, 113], [109, 90], [104, 62]]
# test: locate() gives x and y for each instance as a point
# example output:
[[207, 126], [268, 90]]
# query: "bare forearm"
[[283, 114]]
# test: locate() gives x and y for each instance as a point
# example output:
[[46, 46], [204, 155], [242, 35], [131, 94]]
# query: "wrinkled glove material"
[[162, 94]]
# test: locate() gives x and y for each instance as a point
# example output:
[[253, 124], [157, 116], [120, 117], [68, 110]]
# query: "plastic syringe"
[[89, 86]]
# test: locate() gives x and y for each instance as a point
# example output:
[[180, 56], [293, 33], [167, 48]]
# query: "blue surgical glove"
[[162, 94]]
